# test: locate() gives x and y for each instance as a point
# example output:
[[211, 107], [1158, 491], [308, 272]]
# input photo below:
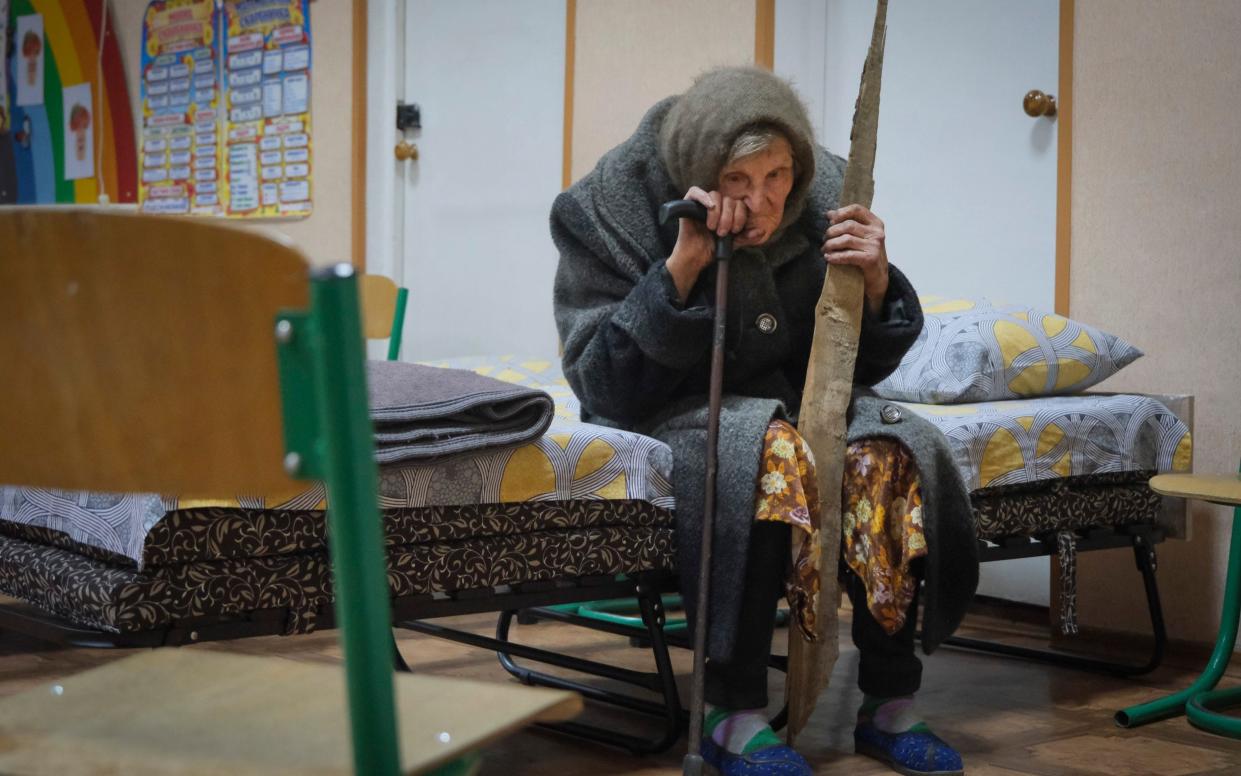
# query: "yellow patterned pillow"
[[971, 350]]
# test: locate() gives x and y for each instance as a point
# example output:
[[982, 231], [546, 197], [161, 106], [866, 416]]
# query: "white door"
[[964, 180], [475, 250]]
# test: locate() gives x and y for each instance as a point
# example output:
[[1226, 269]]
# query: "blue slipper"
[[768, 761], [917, 752]]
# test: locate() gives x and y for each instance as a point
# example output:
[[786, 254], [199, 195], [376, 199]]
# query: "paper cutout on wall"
[[30, 60], [38, 149], [79, 133]]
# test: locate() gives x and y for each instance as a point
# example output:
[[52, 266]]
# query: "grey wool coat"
[[639, 359]]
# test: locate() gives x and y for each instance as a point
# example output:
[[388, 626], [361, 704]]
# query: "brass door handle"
[[1037, 104], [406, 150]]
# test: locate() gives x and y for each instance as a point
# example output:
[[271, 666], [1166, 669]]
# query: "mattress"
[[1065, 504], [571, 461], [431, 550], [225, 533], [1004, 443]]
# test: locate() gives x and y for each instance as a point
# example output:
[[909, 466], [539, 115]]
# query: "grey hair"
[[754, 139]]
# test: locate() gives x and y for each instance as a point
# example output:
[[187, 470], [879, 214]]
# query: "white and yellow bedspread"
[[1010, 442], [993, 443]]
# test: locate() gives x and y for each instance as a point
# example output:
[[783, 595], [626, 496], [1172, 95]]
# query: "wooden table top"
[[1216, 488]]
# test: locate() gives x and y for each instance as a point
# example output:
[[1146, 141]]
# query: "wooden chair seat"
[[182, 711], [1216, 488]]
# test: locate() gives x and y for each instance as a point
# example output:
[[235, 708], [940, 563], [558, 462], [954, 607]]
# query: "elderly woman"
[[631, 302]]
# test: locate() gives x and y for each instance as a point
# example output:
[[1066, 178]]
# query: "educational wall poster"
[[268, 87], [4, 65], [226, 108], [180, 105], [66, 117], [28, 40], [79, 128]]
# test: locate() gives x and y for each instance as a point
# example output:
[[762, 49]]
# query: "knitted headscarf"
[[699, 130]]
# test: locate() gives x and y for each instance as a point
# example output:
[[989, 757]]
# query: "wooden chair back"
[[378, 305], [140, 353], [383, 311]]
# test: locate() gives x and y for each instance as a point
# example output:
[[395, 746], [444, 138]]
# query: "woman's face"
[[763, 182]]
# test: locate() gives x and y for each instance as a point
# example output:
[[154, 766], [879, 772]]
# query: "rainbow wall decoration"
[[45, 147]]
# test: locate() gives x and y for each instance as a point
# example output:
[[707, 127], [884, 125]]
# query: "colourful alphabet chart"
[[180, 109], [226, 108], [268, 92]]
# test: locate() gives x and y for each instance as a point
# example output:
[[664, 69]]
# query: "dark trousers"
[[888, 665]]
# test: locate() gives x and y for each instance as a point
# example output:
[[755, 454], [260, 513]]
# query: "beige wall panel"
[[632, 53], [1156, 258], [325, 235]]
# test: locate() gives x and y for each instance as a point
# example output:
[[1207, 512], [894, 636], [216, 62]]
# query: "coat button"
[[890, 414], [766, 323]]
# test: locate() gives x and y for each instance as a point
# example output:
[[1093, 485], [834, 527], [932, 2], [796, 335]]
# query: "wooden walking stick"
[[825, 399]]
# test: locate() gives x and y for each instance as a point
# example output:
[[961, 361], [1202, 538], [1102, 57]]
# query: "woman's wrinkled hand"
[[695, 247], [856, 236]]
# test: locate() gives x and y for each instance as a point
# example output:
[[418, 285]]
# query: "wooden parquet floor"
[[1007, 716]]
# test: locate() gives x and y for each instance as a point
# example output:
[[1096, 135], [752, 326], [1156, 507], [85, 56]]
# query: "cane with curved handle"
[[684, 208]]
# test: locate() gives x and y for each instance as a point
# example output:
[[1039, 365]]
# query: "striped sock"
[[740, 731], [892, 715]]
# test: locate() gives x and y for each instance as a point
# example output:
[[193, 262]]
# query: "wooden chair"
[[1200, 702], [383, 311], [173, 356]]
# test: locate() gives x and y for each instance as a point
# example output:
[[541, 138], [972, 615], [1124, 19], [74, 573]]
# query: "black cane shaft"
[[692, 764], [715, 394]]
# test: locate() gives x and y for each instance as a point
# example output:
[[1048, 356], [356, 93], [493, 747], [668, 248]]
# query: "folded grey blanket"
[[425, 412]]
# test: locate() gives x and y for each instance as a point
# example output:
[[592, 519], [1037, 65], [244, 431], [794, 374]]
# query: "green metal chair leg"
[[398, 325], [466, 766], [1184, 701], [1201, 711], [356, 537]]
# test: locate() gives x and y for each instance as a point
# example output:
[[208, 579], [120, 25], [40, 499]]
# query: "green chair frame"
[[1201, 702], [328, 436], [398, 324]]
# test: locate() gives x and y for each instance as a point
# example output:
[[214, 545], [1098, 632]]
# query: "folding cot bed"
[[580, 514]]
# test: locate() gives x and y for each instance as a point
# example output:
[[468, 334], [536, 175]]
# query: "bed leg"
[[1144, 555], [663, 681]]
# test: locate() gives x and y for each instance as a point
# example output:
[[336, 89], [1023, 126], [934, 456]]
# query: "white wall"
[[479, 259], [1157, 256], [631, 54]]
